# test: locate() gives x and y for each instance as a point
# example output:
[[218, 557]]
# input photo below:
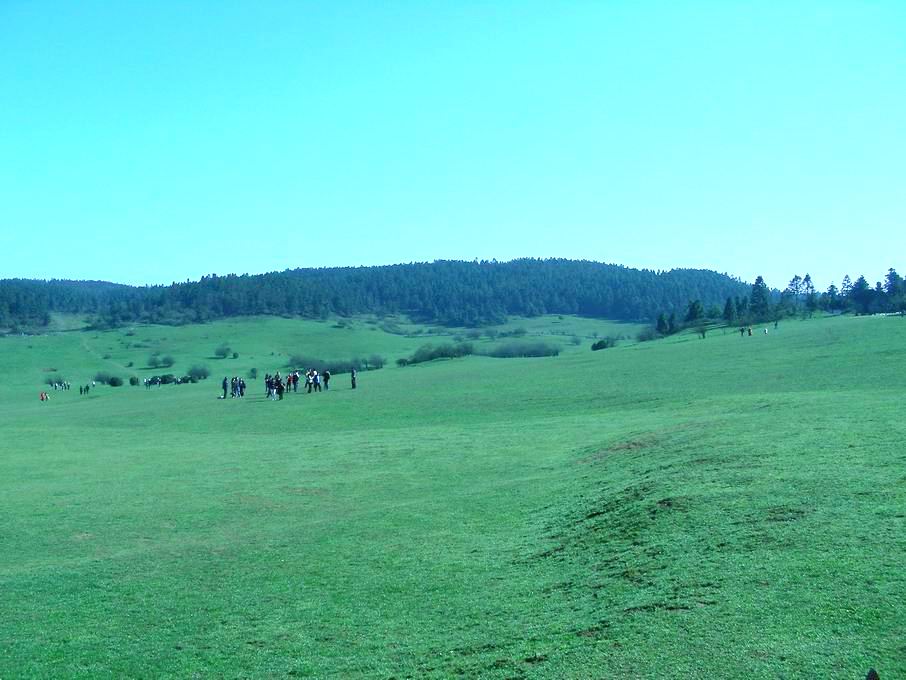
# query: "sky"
[[146, 143]]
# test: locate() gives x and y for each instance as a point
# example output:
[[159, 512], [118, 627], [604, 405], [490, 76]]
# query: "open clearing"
[[729, 507]]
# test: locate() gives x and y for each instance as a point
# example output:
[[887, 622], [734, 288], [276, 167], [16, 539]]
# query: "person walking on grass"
[[354, 375], [224, 385], [326, 380]]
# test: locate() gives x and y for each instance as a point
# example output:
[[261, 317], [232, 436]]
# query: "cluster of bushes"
[[445, 351], [604, 343], [198, 372], [156, 360], [224, 350], [106, 378], [512, 350], [335, 366], [54, 379], [506, 351]]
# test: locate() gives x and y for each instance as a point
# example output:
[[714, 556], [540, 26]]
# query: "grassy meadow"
[[720, 508]]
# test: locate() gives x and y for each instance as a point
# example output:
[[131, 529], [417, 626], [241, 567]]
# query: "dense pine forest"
[[451, 293]]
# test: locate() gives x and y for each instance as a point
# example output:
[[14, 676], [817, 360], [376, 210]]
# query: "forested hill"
[[446, 292]]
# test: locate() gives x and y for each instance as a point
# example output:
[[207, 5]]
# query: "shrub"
[[576, 340], [253, 373], [130, 364], [604, 343], [524, 349], [106, 356], [374, 362], [445, 351], [104, 377], [167, 379], [114, 381], [402, 362], [647, 334], [198, 372], [133, 380], [154, 361], [335, 366], [54, 379], [223, 351], [167, 361], [235, 355]]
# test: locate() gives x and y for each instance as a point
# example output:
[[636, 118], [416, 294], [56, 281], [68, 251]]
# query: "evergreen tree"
[[662, 327], [729, 312], [760, 300], [671, 324], [694, 311], [861, 295]]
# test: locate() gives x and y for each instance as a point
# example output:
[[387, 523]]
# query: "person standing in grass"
[[354, 375], [326, 380], [224, 387]]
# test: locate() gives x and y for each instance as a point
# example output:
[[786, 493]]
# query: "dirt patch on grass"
[[303, 490], [628, 446], [785, 513]]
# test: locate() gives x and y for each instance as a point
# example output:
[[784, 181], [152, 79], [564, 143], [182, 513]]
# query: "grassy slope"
[[732, 507]]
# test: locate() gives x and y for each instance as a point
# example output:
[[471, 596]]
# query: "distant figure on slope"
[[316, 378], [326, 380], [750, 331], [742, 331], [241, 387], [224, 385], [309, 380], [280, 388], [354, 376], [43, 396], [81, 390]]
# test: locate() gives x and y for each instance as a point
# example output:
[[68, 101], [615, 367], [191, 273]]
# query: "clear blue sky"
[[160, 141]]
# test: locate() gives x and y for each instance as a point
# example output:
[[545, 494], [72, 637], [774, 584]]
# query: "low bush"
[[444, 351], [104, 377], [198, 372], [604, 343], [512, 350], [115, 381], [303, 362], [223, 351], [647, 334], [133, 380]]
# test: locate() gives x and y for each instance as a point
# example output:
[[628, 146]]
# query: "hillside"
[[730, 507], [445, 292]]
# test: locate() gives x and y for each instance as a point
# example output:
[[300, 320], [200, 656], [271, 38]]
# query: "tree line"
[[452, 293], [799, 298]]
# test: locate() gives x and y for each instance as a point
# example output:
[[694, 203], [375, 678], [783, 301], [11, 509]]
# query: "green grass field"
[[720, 508]]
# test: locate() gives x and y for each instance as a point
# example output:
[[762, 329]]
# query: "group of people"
[[276, 386], [236, 386], [44, 396]]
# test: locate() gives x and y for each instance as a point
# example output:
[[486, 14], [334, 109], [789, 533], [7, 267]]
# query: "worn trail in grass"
[[732, 507]]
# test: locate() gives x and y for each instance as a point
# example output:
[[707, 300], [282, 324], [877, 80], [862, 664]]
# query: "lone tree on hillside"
[[223, 351]]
